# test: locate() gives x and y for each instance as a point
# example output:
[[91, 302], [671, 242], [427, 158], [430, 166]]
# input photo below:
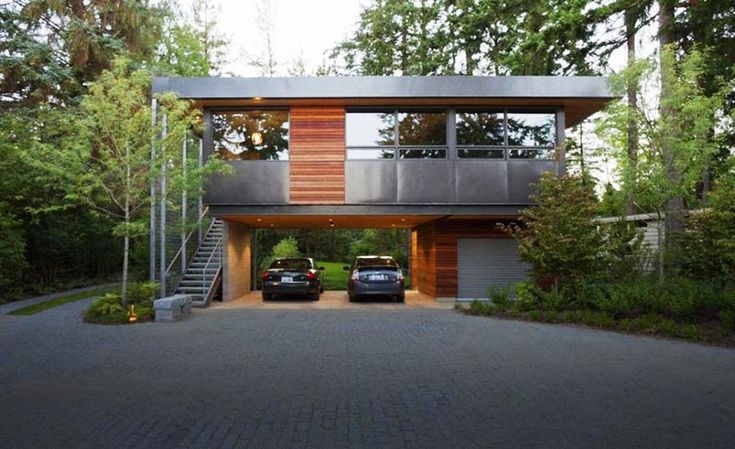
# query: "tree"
[[51, 48], [211, 41], [113, 165], [468, 37], [675, 140], [265, 60], [558, 236]]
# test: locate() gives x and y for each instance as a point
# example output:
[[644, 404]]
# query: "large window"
[[490, 134], [251, 134], [391, 134]]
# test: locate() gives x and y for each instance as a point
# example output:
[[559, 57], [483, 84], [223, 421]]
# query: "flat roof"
[[579, 95]]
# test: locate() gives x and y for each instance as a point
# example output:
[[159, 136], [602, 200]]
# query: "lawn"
[[41, 306], [333, 276]]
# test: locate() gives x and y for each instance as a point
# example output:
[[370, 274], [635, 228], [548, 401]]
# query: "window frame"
[[397, 148], [506, 148], [235, 109]]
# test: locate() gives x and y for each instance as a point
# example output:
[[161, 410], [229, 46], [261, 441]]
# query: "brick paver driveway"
[[251, 377]]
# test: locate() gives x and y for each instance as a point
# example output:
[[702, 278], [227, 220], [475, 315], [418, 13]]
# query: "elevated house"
[[446, 157]]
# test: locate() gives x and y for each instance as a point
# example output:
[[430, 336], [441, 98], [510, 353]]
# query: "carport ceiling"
[[331, 221]]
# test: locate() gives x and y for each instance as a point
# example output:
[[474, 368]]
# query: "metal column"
[[164, 162], [183, 208], [152, 230]]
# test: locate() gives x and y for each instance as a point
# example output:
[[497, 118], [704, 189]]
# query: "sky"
[[301, 28]]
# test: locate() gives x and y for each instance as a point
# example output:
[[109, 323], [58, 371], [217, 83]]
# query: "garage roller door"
[[485, 262]]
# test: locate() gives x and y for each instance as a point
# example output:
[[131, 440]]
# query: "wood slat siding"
[[423, 259], [434, 253], [317, 156]]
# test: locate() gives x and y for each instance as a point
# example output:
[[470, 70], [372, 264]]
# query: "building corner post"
[[152, 229]]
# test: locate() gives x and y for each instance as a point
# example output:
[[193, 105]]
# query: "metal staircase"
[[203, 274]]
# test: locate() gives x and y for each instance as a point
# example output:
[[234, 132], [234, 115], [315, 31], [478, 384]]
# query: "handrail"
[[183, 245], [205, 290]]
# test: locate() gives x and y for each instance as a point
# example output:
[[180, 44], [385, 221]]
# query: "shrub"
[[728, 318], [499, 296], [478, 307], [527, 296], [142, 292], [554, 300], [106, 309]]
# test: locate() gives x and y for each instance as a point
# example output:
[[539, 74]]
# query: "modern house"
[[446, 157]]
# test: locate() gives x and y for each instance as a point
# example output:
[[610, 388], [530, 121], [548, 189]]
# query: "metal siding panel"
[[482, 182], [253, 182], [425, 182], [370, 182], [485, 262], [522, 175]]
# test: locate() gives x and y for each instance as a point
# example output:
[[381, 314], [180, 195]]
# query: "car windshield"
[[376, 262], [291, 264]]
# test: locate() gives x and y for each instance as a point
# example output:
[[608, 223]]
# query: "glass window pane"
[[480, 128], [532, 129], [422, 128], [423, 154], [526, 153], [369, 153], [367, 129], [251, 135], [484, 153]]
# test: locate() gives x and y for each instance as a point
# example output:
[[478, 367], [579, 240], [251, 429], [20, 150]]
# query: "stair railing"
[[207, 290], [180, 252]]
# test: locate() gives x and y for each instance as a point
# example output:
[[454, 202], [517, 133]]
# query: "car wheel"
[[321, 289], [400, 298], [267, 296], [315, 296], [352, 298]]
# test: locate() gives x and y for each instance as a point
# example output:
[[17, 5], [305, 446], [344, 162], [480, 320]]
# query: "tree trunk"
[[675, 204], [126, 253], [630, 25]]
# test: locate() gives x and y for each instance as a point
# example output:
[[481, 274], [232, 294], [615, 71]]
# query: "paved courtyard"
[[409, 377]]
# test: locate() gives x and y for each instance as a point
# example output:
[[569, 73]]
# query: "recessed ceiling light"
[[393, 225], [260, 219], [257, 98], [272, 225], [403, 219]]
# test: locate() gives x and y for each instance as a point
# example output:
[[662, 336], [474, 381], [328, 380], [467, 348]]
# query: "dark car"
[[375, 276], [293, 276]]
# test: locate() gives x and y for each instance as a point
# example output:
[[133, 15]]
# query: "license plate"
[[376, 277], [287, 279]]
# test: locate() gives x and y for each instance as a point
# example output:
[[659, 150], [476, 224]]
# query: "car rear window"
[[376, 262], [291, 264]]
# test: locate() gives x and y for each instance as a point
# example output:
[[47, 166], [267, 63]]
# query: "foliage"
[[441, 37], [558, 236], [12, 248], [287, 247], [107, 309], [678, 137], [112, 168], [707, 249], [50, 49], [682, 308], [140, 293], [383, 242], [499, 296]]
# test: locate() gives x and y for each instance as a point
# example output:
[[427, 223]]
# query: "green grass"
[[60, 301], [333, 276]]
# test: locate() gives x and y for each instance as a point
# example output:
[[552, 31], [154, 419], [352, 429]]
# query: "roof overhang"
[[579, 96]]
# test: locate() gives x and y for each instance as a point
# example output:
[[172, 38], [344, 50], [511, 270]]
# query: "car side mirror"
[[346, 268], [321, 268]]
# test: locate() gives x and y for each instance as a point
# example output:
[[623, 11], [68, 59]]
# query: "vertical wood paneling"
[[317, 156]]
